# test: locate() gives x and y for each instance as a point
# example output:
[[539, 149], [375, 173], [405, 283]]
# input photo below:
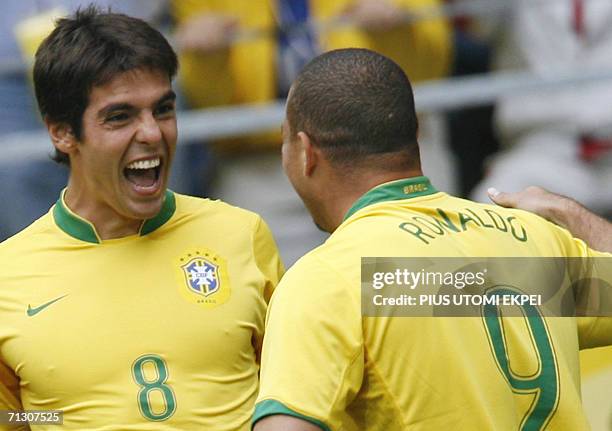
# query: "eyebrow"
[[170, 96], [167, 97]]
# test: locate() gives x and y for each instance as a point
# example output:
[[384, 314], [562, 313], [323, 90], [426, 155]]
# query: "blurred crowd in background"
[[235, 52]]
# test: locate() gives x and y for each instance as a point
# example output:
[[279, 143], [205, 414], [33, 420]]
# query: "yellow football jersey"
[[596, 373], [156, 331], [326, 363]]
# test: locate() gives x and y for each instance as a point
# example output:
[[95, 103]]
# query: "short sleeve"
[[268, 261], [595, 329], [312, 362], [266, 257]]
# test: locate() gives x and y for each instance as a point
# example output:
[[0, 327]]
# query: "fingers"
[[501, 198], [206, 33], [375, 14]]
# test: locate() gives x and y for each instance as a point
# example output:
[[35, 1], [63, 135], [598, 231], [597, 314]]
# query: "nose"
[[149, 131]]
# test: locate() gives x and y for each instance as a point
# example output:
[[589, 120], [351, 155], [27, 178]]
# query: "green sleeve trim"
[[272, 407]]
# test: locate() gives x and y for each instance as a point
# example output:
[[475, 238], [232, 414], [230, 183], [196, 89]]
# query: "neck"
[[351, 188], [107, 222]]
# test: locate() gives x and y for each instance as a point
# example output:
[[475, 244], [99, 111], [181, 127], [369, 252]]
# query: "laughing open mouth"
[[143, 173]]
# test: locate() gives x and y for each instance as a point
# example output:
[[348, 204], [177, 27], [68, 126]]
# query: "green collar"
[[393, 191], [79, 228]]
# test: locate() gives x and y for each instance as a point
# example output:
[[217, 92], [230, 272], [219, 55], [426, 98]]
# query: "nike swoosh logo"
[[34, 311]]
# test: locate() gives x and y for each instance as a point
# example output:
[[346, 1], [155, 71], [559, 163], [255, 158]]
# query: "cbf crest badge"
[[203, 277]]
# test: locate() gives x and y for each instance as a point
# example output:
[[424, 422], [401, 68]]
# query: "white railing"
[[209, 124]]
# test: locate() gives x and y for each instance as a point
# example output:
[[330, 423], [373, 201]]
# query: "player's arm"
[[313, 359], [561, 210], [268, 261], [385, 25], [595, 231], [284, 423], [267, 258], [9, 397]]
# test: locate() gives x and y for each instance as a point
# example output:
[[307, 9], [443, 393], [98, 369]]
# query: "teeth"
[[144, 164]]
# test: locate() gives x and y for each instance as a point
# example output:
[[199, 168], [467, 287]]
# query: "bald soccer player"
[[350, 150]]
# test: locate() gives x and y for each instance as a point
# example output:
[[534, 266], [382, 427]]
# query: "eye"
[[117, 117], [165, 109]]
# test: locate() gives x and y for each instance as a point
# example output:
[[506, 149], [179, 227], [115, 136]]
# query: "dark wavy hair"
[[89, 49]]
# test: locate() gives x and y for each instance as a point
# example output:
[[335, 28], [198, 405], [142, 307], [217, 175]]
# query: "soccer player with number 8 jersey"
[[128, 306]]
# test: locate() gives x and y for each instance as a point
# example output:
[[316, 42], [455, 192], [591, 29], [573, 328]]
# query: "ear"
[[62, 136], [311, 154]]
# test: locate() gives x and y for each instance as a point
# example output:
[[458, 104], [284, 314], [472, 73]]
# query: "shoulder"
[[319, 273], [21, 253], [229, 224], [30, 237], [314, 298], [205, 209], [186, 203]]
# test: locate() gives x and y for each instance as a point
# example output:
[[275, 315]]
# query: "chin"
[[319, 222], [316, 218], [321, 228], [145, 210]]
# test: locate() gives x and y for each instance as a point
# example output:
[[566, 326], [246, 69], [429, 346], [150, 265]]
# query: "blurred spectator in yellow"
[[249, 51], [236, 51]]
